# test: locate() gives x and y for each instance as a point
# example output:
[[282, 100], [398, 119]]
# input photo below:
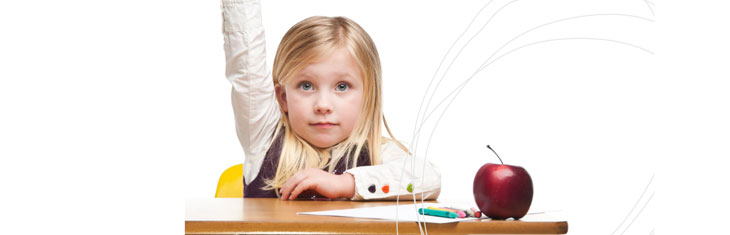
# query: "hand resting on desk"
[[324, 183]]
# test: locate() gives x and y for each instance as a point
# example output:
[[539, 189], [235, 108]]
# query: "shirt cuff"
[[371, 182]]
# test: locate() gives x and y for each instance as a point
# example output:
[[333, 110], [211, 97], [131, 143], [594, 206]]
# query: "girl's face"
[[322, 102]]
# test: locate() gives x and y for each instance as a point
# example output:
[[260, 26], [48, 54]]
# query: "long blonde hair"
[[305, 42]]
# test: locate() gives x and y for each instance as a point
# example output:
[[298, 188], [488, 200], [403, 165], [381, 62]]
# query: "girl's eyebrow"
[[344, 75], [302, 76]]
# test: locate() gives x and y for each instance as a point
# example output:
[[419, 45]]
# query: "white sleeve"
[[254, 104], [381, 182]]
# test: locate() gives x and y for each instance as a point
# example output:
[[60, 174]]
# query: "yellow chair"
[[230, 184]]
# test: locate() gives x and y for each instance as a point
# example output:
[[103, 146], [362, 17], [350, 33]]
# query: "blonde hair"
[[305, 42]]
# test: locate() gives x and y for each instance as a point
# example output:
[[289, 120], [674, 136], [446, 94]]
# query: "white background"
[[112, 113]]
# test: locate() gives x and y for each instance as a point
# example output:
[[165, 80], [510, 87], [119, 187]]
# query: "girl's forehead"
[[338, 64]]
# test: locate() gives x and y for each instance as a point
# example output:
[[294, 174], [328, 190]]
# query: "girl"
[[316, 129]]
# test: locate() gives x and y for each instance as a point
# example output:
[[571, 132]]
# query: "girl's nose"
[[323, 105]]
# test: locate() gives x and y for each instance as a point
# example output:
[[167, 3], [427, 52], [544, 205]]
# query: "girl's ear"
[[281, 97]]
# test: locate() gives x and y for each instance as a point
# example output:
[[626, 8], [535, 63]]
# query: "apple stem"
[[495, 153]]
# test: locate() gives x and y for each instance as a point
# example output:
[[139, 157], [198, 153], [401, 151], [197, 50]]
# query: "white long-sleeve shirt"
[[257, 113]]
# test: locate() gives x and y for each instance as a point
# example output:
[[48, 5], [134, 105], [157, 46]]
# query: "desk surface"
[[238, 215]]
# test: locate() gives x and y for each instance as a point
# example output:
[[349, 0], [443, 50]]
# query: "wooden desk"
[[250, 216]]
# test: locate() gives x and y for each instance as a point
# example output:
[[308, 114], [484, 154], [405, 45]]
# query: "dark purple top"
[[271, 162]]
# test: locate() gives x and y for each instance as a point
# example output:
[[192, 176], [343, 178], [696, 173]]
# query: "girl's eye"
[[342, 86], [305, 86]]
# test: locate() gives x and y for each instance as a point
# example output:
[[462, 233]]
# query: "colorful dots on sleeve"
[[371, 188]]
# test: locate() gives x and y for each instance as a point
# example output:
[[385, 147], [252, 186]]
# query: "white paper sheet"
[[405, 213]]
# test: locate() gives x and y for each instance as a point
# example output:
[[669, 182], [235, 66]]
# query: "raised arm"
[[254, 104]]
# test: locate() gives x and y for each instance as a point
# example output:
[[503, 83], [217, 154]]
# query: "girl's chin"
[[324, 143]]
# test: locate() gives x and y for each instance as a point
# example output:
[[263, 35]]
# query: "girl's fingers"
[[286, 188], [290, 184], [304, 185]]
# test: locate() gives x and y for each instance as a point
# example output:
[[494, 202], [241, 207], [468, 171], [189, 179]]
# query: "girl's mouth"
[[323, 124]]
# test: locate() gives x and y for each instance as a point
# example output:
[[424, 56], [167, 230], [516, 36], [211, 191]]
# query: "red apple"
[[503, 191]]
